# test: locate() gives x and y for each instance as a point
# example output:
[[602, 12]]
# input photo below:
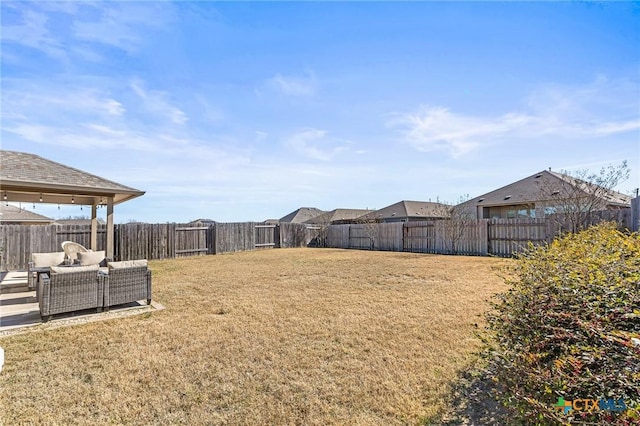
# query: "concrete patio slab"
[[13, 281], [20, 313]]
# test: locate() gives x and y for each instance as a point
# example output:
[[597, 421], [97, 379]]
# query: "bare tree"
[[319, 233], [455, 224], [573, 200], [370, 227]]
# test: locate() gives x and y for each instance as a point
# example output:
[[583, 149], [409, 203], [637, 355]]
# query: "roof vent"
[[507, 197], [555, 192], [538, 176], [481, 200]]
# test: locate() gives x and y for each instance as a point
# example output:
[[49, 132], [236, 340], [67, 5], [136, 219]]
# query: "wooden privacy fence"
[[500, 237], [148, 241], [417, 237]]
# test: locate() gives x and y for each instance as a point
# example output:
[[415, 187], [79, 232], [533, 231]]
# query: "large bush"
[[569, 330]]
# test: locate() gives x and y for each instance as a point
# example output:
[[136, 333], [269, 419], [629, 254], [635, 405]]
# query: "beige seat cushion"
[[91, 257], [73, 269], [128, 264], [44, 260]]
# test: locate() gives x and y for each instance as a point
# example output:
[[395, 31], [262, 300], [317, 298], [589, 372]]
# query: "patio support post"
[[110, 233], [94, 227]]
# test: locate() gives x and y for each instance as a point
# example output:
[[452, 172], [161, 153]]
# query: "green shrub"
[[569, 328]]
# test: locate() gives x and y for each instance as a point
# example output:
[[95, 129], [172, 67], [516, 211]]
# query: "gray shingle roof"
[[12, 213], [302, 215], [534, 189], [338, 215], [202, 222], [409, 210], [26, 172], [79, 221]]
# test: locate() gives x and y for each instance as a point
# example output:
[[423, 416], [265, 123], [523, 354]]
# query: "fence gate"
[[419, 237], [266, 236], [193, 240], [361, 237]]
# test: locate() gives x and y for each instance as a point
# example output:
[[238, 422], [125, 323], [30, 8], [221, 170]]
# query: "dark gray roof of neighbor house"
[[23, 172], [302, 215], [338, 215], [79, 221], [538, 187], [409, 209], [201, 222], [13, 213]]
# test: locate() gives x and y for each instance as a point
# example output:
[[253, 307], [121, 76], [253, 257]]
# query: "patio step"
[[13, 282]]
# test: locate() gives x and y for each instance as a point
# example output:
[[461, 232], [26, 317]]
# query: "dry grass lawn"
[[288, 336]]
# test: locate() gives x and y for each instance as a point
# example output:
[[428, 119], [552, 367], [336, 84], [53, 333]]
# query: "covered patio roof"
[[30, 178]]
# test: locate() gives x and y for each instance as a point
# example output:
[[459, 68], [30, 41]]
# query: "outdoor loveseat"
[[69, 289], [126, 282]]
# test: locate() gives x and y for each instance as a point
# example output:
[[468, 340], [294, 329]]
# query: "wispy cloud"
[[156, 101], [600, 109], [80, 30], [121, 25], [69, 114], [32, 31], [316, 144], [293, 85], [34, 108], [260, 136], [438, 129]]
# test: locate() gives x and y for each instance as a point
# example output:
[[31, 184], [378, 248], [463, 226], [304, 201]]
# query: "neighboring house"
[[13, 215], [538, 195], [302, 215], [79, 222], [408, 211], [338, 216], [202, 222]]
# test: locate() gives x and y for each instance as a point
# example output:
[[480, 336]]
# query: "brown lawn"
[[287, 336]]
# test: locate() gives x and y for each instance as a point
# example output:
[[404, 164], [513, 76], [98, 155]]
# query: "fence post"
[[635, 214]]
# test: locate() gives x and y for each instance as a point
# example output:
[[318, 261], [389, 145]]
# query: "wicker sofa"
[[127, 282], [69, 289]]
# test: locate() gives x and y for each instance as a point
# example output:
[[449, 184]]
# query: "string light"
[[73, 200], [40, 197]]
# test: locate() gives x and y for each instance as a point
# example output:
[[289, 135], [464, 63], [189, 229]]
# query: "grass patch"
[[288, 336]]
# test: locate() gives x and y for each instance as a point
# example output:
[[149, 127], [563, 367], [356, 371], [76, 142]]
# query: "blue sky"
[[247, 111]]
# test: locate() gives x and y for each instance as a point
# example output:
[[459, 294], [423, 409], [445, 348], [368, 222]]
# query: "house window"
[[511, 214], [527, 213]]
